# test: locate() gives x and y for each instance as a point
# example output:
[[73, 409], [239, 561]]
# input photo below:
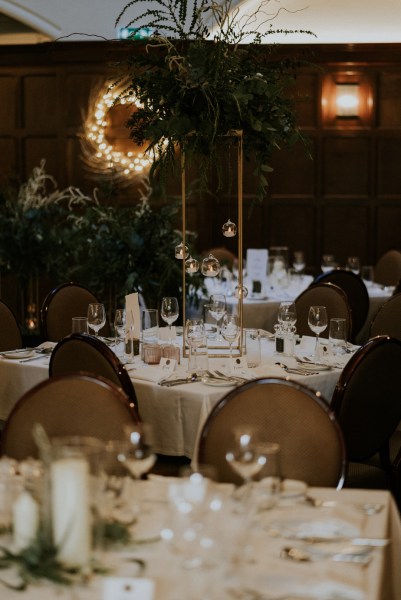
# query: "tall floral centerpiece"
[[195, 82]]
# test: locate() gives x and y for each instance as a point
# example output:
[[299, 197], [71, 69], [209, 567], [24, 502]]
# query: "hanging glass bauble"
[[240, 291], [180, 253], [191, 265], [229, 229], [210, 266]]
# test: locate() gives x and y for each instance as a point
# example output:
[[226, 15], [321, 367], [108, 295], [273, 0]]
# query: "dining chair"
[[10, 332], [60, 305], [322, 294], [387, 320], [356, 291], [367, 403], [68, 405], [311, 443], [80, 352], [387, 269]]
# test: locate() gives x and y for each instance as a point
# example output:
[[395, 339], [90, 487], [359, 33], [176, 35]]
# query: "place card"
[[256, 264], [167, 366], [127, 588]]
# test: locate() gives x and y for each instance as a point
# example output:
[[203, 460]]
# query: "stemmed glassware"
[[299, 261], [328, 263], [217, 308], [119, 326], [169, 312], [136, 453], [317, 321], [287, 315], [230, 329], [96, 316], [354, 264]]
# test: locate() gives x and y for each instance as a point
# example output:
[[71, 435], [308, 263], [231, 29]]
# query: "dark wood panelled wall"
[[345, 199]]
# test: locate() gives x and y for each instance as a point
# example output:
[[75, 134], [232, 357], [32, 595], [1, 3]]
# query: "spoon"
[[295, 371], [348, 554]]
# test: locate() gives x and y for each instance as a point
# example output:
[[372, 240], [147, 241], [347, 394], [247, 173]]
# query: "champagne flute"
[[96, 317], [169, 312], [230, 329], [317, 321], [217, 308]]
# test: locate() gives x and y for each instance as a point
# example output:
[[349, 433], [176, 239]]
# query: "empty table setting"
[[178, 410]]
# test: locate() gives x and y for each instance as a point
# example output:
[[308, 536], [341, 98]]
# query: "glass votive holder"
[[251, 342], [151, 354], [170, 351], [79, 325]]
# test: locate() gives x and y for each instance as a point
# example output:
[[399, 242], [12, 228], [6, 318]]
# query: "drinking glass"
[[169, 312], [299, 261], [96, 316], [338, 335], [287, 315], [367, 274], [79, 325], [328, 263], [136, 453], [119, 326], [195, 338], [317, 321], [354, 264], [230, 329], [217, 308]]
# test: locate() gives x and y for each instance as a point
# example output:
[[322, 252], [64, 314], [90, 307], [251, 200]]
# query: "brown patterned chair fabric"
[[311, 444], [367, 403], [387, 320], [322, 294], [82, 352], [10, 332], [69, 405], [60, 305], [388, 268], [357, 295]]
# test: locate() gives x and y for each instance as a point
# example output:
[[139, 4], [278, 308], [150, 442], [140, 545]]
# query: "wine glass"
[[317, 321], [119, 326], [299, 261], [354, 264], [217, 308], [96, 316], [169, 312], [328, 263], [230, 329], [136, 453], [287, 315]]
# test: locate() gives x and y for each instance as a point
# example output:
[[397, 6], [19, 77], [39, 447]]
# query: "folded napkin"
[[148, 373]]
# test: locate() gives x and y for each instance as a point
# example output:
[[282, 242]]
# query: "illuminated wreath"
[[98, 153]]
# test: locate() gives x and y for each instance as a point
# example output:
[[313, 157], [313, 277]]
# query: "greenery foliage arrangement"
[[197, 80], [72, 237]]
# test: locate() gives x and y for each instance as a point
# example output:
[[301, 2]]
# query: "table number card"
[[127, 588], [256, 264], [133, 315]]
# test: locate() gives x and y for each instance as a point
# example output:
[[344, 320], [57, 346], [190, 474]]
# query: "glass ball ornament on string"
[[191, 265], [181, 251], [240, 291], [210, 266], [229, 229]]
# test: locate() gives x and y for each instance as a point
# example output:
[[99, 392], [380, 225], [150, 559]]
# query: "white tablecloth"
[[177, 414], [245, 555]]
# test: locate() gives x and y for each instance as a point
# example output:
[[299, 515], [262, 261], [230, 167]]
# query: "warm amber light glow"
[[347, 100]]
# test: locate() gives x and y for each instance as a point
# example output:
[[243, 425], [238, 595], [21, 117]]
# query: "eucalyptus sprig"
[[197, 81]]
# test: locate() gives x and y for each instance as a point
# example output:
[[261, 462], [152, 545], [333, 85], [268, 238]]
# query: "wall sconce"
[[347, 99]]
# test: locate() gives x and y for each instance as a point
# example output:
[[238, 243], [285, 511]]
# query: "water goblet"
[[354, 264], [96, 316], [230, 329], [169, 312], [328, 263], [317, 322], [217, 308], [136, 453]]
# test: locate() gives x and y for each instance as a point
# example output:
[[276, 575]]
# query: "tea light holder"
[[151, 354], [240, 291], [191, 265], [229, 229], [171, 351], [181, 251], [210, 266]]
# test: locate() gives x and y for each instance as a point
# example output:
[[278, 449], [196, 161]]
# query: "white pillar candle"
[[70, 510], [25, 520]]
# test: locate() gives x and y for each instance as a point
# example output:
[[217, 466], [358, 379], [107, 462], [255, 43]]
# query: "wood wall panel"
[[37, 148], [8, 102], [388, 227], [8, 158], [346, 166], [294, 171], [41, 102], [388, 166], [344, 230], [389, 99], [292, 225]]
